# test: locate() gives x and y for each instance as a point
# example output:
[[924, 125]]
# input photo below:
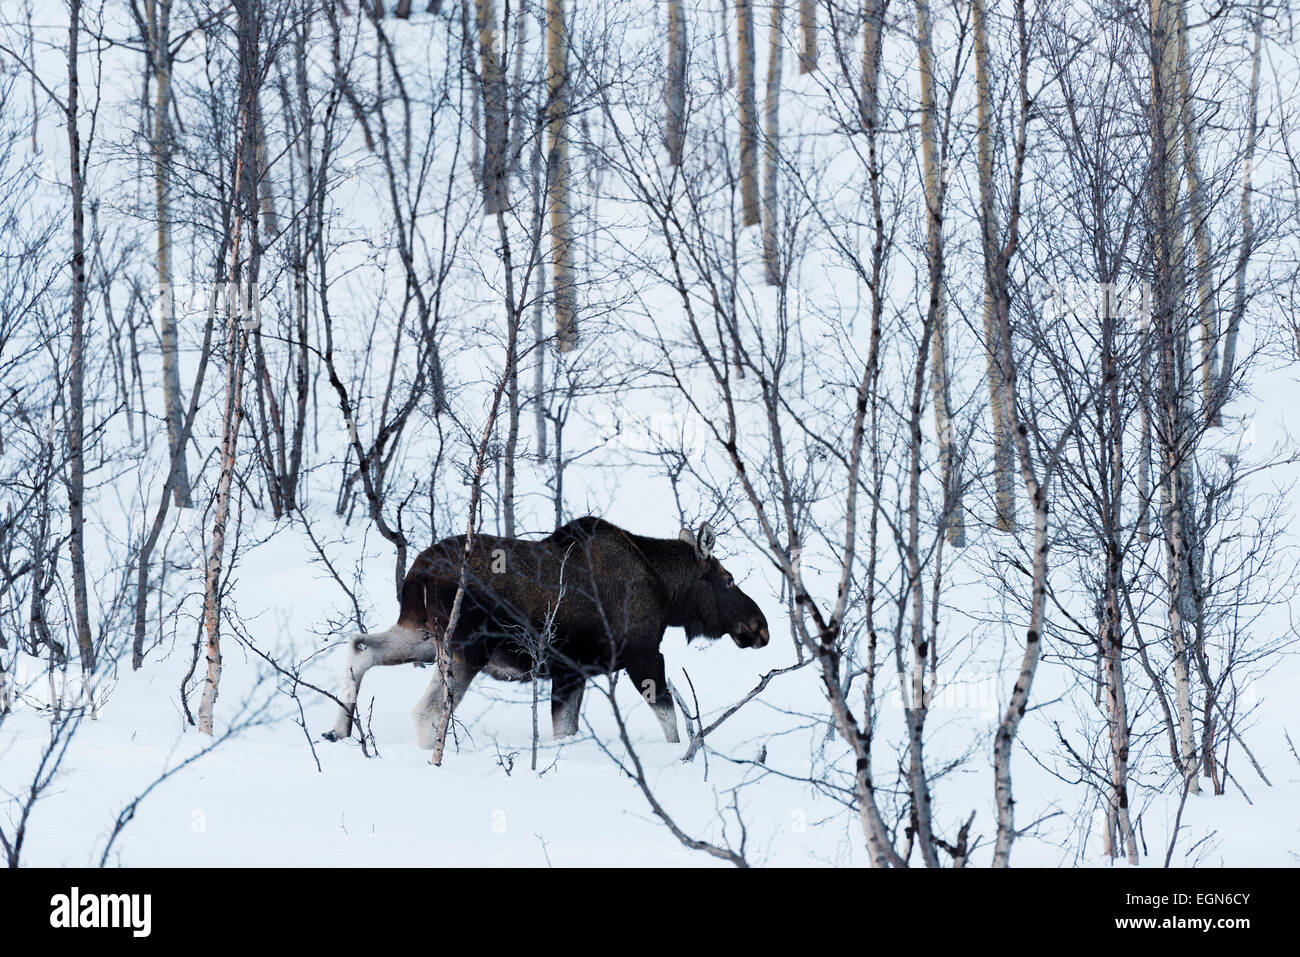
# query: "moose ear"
[[686, 536], [704, 542]]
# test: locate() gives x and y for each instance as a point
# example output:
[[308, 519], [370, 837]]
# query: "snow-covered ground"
[[276, 794], [259, 798]]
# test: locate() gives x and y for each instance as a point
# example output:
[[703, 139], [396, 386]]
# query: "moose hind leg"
[[392, 647], [429, 707], [567, 686], [648, 674]]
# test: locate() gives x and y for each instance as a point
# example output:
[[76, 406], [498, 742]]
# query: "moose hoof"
[[329, 736]]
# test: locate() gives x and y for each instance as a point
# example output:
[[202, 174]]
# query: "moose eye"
[[728, 582]]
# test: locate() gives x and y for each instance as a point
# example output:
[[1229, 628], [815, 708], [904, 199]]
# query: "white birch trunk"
[[938, 305], [1226, 366], [557, 179], [675, 88], [772, 149], [1171, 328], [75, 423], [1002, 450], [748, 113], [808, 35]]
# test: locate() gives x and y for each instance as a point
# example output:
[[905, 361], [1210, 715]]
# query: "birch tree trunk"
[[748, 113], [36, 114], [916, 703], [514, 316], [938, 306], [873, 28], [515, 113], [232, 420], [309, 234], [916, 700], [495, 123], [772, 149], [878, 846], [557, 174], [236, 351], [1112, 636], [1145, 496], [724, 33], [264, 191], [1002, 450], [675, 87], [1172, 342], [539, 320], [158, 22], [808, 35], [1009, 726], [74, 417], [1226, 367], [1034, 477], [476, 146], [1196, 210]]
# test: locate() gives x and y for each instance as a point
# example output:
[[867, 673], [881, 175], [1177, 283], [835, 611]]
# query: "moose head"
[[714, 605]]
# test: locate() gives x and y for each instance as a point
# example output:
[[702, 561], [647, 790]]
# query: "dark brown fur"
[[609, 593]]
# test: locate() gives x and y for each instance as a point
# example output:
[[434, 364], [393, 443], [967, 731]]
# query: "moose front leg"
[[359, 662], [648, 674], [567, 686]]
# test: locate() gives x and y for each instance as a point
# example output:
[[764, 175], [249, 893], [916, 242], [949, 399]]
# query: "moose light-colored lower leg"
[[426, 710], [396, 646], [651, 681], [667, 715], [432, 704]]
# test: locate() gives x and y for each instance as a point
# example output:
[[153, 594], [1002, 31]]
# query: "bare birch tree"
[[242, 280], [557, 175], [155, 27], [934, 158], [749, 198], [74, 416], [1227, 365], [772, 148], [1170, 327], [808, 36], [492, 82], [1004, 488], [675, 87]]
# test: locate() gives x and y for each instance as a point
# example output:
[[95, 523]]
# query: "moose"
[[589, 599]]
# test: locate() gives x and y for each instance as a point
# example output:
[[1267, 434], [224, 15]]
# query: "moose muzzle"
[[751, 635]]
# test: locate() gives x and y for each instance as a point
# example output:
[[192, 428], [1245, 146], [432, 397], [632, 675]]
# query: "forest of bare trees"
[[962, 322]]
